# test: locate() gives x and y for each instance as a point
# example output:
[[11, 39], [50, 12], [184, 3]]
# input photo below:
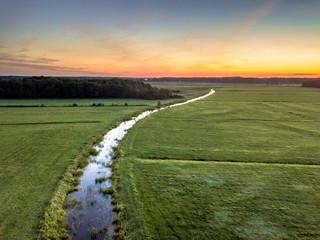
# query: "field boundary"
[[229, 161], [39, 123]]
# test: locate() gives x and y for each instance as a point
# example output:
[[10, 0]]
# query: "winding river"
[[89, 212]]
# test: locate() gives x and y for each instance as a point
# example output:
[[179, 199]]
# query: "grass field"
[[241, 164], [35, 156], [188, 91], [258, 124], [37, 144], [80, 102]]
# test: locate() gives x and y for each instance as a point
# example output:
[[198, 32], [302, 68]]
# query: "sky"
[[159, 38]]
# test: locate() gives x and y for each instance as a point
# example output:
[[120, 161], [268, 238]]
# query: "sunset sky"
[[154, 38]]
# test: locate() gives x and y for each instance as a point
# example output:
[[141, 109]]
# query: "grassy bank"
[[252, 167]]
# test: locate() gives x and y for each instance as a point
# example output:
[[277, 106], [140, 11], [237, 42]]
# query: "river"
[[89, 211]]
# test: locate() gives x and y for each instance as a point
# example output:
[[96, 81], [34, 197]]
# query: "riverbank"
[[88, 213]]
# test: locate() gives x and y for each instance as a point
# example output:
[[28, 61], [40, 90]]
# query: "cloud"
[[251, 20], [44, 65], [37, 63], [301, 74], [255, 17], [22, 58], [24, 50], [53, 69]]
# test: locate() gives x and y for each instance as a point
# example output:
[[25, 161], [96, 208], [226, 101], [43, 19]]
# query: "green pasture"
[[34, 157], [80, 102], [258, 124], [169, 199], [37, 144], [240, 164], [187, 90]]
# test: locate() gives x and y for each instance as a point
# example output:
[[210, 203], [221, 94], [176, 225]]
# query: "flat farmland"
[[37, 145], [240, 164], [250, 124], [81, 102]]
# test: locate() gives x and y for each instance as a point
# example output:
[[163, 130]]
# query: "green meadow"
[[37, 144], [243, 163], [249, 124], [83, 102]]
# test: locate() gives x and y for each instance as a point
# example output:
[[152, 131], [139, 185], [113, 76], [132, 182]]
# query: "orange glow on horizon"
[[248, 44]]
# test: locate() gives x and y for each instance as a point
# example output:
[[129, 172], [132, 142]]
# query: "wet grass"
[[241, 164]]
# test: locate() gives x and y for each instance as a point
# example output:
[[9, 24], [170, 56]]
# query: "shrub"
[[118, 208], [83, 163], [115, 219], [73, 201], [80, 205], [108, 190], [94, 233], [93, 151], [78, 173], [100, 179]]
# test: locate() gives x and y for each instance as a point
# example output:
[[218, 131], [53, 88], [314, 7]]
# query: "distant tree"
[[312, 83], [50, 87]]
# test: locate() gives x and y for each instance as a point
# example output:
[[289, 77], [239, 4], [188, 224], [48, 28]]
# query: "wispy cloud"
[[46, 66], [255, 17], [23, 58], [23, 50], [36, 63], [301, 74]]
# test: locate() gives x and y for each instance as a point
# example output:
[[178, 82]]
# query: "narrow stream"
[[90, 212]]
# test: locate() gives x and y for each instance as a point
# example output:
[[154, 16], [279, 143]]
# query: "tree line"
[[312, 83], [52, 87], [246, 80]]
